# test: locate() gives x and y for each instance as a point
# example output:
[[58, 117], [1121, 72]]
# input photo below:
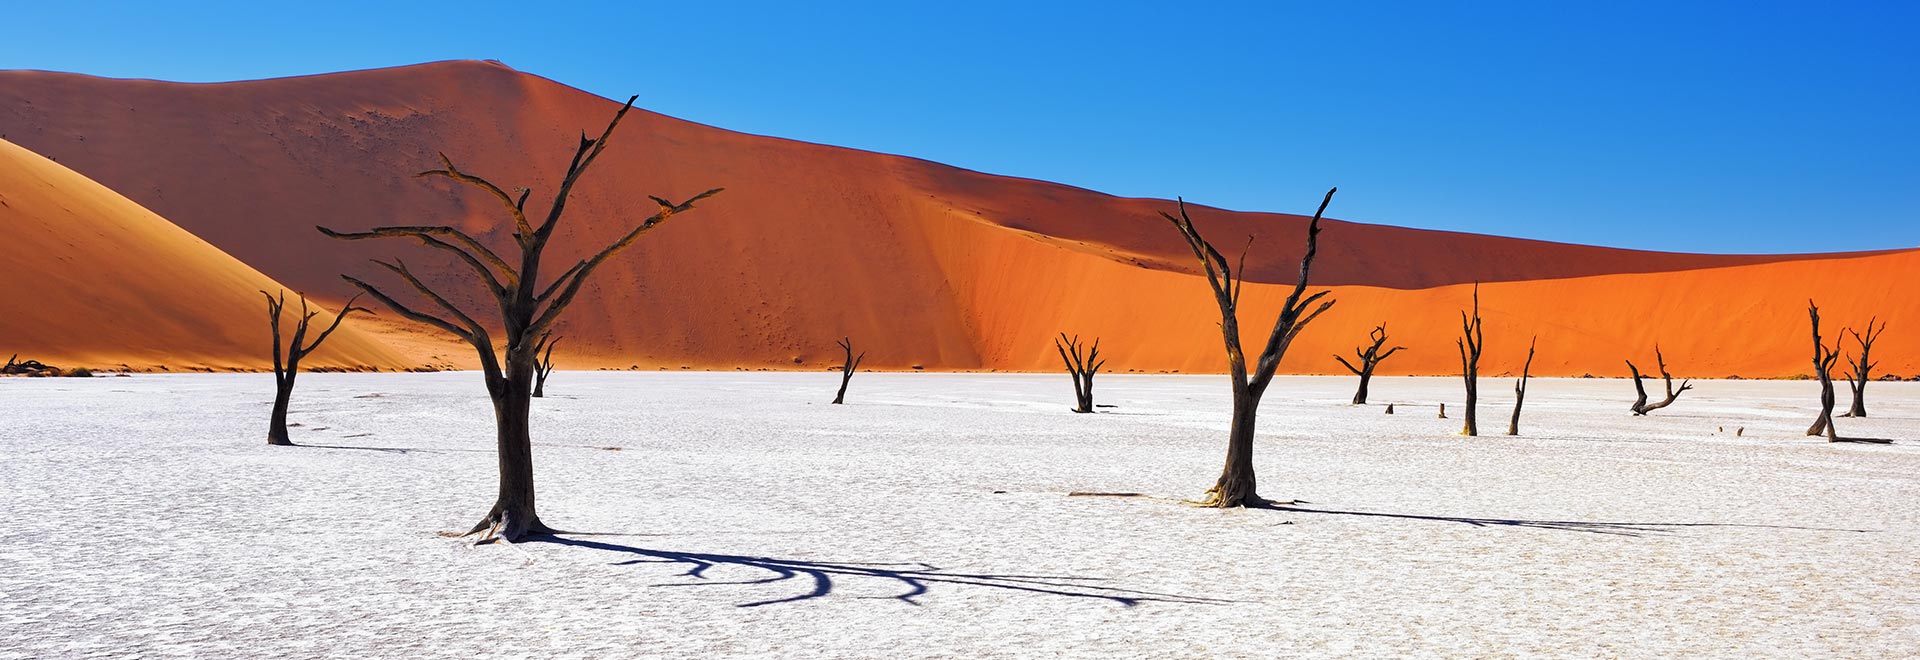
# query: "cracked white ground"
[[742, 516]]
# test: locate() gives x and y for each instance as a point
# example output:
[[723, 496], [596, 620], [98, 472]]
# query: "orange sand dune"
[[92, 279], [1747, 321], [921, 263]]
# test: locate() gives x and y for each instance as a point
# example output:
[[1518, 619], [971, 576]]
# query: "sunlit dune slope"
[[922, 264], [1748, 321], [92, 279]]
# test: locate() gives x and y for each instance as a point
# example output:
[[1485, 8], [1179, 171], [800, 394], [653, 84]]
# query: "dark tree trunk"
[[1520, 389], [1236, 486], [1823, 359], [1471, 341], [1859, 407], [543, 367], [847, 369], [1639, 388], [277, 423], [513, 515]]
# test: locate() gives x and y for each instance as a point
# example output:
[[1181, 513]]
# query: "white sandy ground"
[[743, 517]]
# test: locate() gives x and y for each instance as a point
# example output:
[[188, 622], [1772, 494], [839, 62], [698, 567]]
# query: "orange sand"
[[92, 279], [922, 264]]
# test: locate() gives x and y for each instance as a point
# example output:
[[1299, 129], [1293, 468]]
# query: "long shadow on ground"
[[1589, 526], [916, 577]]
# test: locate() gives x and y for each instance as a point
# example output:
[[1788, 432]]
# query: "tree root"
[[504, 527], [1248, 501]]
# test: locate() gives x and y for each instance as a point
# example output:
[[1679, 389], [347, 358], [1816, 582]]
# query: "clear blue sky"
[[1710, 127]]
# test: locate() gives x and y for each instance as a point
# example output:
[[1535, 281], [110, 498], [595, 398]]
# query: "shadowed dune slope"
[[921, 263], [92, 279]]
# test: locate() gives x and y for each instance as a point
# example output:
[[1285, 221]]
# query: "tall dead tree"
[[1823, 359], [1640, 405], [543, 367], [527, 311], [1470, 342], [1081, 368], [1857, 372], [1236, 486], [286, 362], [847, 368], [1370, 357], [1520, 389]]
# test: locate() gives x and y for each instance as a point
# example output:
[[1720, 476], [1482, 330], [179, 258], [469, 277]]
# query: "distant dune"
[[92, 279], [922, 264]]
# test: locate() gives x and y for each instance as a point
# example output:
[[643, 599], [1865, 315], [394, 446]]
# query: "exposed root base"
[[1247, 501], [502, 527]]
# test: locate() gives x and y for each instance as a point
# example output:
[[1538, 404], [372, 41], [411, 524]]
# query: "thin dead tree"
[[1640, 404], [1520, 389], [847, 368], [1081, 368], [1470, 341], [1823, 359], [527, 311], [1370, 358], [286, 362], [543, 367], [1236, 486], [1857, 372]]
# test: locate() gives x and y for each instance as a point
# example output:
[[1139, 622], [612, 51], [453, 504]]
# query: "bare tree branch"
[[430, 237], [514, 208], [580, 272]]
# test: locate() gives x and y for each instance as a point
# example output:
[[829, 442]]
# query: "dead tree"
[[1236, 486], [543, 367], [848, 368], [1520, 389], [1640, 405], [286, 365], [1081, 368], [1857, 374], [1823, 359], [527, 311], [1470, 342], [30, 368], [1370, 357]]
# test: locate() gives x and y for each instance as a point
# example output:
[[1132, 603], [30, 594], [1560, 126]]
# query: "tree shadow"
[[917, 578], [1634, 529], [389, 450]]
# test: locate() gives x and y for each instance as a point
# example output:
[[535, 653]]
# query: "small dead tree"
[[527, 311], [1520, 389], [1640, 405], [1236, 486], [543, 367], [1370, 357], [286, 365], [1857, 374], [1081, 368], [1470, 342], [848, 368], [1823, 359]]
